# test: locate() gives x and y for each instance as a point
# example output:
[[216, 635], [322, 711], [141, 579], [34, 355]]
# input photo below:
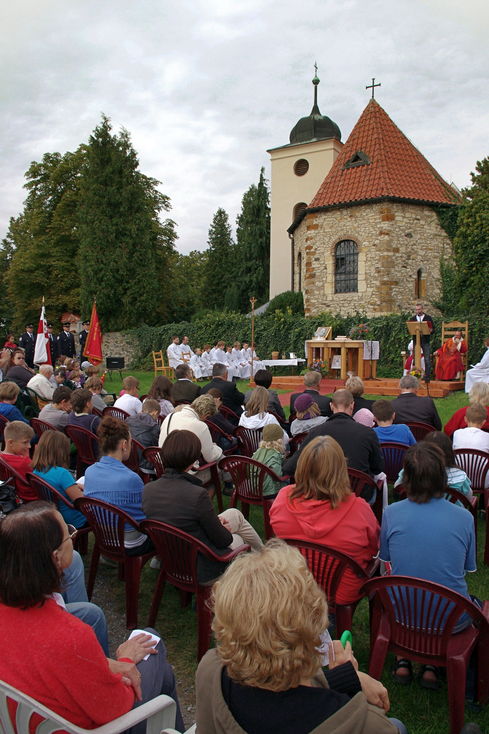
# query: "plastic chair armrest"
[[229, 556], [373, 567], [159, 712]]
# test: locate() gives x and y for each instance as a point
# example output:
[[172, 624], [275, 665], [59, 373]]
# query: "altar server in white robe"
[[196, 364], [238, 360], [257, 364], [205, 361], [233, 368], [480, 371], [185, 351], [173, 352]]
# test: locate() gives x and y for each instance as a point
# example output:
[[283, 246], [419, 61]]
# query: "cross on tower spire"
[[372, 86]]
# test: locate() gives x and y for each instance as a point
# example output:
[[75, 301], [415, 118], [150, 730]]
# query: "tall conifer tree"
[[253, 244], [124, 249], [219, 265]]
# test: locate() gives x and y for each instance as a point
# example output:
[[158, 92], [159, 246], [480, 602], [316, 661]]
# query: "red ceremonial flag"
[[93, 345], [42, 352]]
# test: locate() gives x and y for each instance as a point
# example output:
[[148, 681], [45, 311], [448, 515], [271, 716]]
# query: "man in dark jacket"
[[231, 396], [27, 341], [410, 407], [359, 443], [311, 383], [66, 341], [82, 336], [183, 389]]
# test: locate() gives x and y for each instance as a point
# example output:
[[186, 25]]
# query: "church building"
[[366, 236]]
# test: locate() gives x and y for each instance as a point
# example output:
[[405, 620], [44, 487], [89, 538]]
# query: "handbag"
[[8, 500]]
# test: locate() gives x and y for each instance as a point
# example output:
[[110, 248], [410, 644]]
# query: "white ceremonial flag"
[[42, 353]]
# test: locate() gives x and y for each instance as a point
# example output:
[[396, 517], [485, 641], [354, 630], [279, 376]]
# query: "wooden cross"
[[372, 86]]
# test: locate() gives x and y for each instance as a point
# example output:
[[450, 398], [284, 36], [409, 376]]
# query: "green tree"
[[471, 243], [125, 250], [41, 245], [188, 286], [253, 245], [220, 263]]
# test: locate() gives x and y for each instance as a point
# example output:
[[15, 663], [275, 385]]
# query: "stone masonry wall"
[[117, 344], [394, 241]]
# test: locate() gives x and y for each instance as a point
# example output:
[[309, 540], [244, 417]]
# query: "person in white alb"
[[479, 372], [233, 368], [247, 353], [186, 353], [173, 352], [41, 383], [473, 437], [205, 361], [195, 362], [129, 401]]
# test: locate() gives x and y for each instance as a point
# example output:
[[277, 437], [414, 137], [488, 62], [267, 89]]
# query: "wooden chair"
[[248, 477], [39, 426], [108, 523], [393, 458], [87, 447], [415, 619], [363, 485], [178, 552], [160, 367], [27, 715], [249, 439], [46, 491], [122, 415], [328, 567], [420, 430], [448, 329]]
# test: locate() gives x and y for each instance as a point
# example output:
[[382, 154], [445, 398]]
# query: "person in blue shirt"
[[9, 392], [113, 482], [427, 537], [51, 462], [386, 430]]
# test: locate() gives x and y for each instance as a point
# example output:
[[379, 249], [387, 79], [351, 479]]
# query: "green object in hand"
[[346, 637]]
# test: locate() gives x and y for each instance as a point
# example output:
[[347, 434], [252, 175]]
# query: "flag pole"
[[252, 301]]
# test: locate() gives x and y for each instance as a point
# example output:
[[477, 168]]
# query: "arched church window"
[[346, 267], [298, 209], [299, 272]]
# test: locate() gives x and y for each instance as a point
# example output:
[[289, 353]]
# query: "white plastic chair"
[[160, 712], [192, 730]]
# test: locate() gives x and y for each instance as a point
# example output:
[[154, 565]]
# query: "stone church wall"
[[399, 251]]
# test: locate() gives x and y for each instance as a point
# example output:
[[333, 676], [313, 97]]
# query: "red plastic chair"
[[3, 423], [153, 455], [46, 491], [178, 552], [214, 481], [107, 523], [393, 458], [229, 414], [134, 459], [296, 441], [328, 566], [364, 485], [39, 426], [98, 412], [476, 465], [122, 415], [87, 447], [420, 430], [249, 439], [415, 619], [248, 477], [6, 472], [217, 433]]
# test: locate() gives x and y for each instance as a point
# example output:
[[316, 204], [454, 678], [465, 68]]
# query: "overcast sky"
[[206, 86]]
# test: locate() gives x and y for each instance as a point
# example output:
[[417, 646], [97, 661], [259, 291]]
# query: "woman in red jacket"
[[321, 508]]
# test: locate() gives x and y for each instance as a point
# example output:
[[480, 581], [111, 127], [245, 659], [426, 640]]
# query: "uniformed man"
[[53, 345], [27, 341], [83, 337], [66, 342]]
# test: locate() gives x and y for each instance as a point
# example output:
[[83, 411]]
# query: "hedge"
[[286, 332]]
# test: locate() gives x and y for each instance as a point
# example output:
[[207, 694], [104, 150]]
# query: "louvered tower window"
[[346, 267]]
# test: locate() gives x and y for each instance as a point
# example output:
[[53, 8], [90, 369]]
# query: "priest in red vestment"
[[449, 362]]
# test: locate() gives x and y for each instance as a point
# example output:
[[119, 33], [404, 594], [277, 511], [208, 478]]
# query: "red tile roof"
[[397, 170]]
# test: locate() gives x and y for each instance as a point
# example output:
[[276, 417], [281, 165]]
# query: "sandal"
[[429, 683], [403, 664]]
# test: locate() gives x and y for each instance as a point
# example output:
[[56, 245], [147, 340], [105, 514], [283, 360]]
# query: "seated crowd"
[[270, 618]]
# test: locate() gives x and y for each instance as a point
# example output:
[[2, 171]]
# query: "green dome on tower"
[[316, 126]]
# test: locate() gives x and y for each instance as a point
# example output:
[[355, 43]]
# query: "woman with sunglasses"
[[55, 658]]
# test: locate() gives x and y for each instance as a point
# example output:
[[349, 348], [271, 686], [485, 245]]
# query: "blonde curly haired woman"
[[265, 673]]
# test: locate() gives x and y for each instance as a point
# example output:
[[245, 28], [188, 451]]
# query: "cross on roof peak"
[[372, 86]]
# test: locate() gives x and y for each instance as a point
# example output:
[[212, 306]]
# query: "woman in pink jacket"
[[321, 508]]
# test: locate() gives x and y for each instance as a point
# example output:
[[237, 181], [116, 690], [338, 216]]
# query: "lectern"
[[417, 329]]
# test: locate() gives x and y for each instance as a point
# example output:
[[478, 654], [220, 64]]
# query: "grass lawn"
[[423, 712]]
